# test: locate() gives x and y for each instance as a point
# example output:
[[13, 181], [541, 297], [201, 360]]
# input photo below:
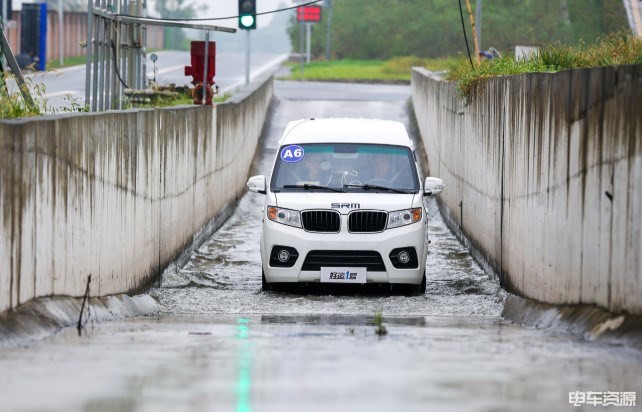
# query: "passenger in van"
[[313, 171], [310, 170]]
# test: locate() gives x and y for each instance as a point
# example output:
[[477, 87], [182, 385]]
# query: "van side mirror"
[[433, 186], [257, 184]]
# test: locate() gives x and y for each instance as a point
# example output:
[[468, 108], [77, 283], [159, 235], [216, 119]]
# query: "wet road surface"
[[221, 343], [63, 87]]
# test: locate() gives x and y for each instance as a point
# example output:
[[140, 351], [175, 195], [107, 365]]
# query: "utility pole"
[[302, 58], [478, 21], [472, 23]]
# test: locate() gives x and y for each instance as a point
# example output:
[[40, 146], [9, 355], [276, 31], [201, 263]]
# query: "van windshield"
[[345, 167]]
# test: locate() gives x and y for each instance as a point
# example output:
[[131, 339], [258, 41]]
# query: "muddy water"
[[223, 344]]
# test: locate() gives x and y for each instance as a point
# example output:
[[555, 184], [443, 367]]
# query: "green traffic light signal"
[[247, 21], [247, 14]]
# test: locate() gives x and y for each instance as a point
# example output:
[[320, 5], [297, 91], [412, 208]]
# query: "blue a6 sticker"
[[292, 153]]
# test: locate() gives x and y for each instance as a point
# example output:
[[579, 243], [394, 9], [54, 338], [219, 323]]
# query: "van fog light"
[[404, 257], [284, 256]]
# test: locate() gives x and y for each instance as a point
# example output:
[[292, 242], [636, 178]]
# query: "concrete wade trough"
[[544, 175], [118, 195]]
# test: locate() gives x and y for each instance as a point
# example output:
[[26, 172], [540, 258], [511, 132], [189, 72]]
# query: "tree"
[[380, 29], [175, 38]]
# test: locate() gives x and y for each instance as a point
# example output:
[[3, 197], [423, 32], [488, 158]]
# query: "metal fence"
[[116, 54], [116, 49]]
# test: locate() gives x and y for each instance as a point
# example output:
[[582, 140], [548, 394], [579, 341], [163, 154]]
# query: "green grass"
[[12, 105], [393, 70], [616, 49], [184, 98]]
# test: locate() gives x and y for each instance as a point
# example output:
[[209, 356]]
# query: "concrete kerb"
[[584, 321], [43, 317]]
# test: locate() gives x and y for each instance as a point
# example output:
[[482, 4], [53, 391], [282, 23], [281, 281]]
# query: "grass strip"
[[619, 48], [393, 70]]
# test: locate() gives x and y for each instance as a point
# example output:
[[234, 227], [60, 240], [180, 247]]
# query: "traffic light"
[[247, 14]]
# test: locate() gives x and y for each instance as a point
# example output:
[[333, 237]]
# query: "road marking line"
[[62, 93], [166, 70], [277, 61]]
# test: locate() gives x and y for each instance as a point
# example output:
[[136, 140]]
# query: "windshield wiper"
[[307, 186], [377, 187]]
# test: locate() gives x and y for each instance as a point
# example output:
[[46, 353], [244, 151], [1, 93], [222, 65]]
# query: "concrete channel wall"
[[117, 195], [543, 175]]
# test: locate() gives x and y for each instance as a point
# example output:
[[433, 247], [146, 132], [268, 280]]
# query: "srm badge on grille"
[[343, 274], [345, 205]]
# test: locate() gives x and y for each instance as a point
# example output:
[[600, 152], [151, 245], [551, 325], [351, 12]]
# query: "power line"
[[463, 26], [231, 17]]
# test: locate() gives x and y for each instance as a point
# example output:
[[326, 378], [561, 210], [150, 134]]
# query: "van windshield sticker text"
[[292, 153]]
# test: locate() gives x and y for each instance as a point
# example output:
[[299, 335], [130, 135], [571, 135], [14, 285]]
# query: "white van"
[[344, 204]]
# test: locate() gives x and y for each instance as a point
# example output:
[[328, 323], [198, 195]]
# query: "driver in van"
[[381, 169]]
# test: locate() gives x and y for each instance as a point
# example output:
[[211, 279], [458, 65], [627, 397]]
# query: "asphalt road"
[[63, 86], [221, 343]]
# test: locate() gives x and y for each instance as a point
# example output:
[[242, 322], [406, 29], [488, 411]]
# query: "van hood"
[[345, 202]]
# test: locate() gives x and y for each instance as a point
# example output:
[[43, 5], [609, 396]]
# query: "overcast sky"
[[224, 8]]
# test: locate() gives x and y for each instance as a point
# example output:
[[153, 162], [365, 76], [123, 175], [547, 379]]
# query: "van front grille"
[[356, 258], [367, 221], [328, 221]]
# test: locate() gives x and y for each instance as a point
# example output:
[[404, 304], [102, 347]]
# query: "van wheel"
[[265, 287], [418, 290], [422, 287]]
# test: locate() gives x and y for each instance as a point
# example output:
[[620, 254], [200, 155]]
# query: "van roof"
[[345, 130]]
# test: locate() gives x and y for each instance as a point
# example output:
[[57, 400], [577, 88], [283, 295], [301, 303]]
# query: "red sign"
[[310, 14]]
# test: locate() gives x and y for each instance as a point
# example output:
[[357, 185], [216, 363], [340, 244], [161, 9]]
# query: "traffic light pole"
[[308, 31], [247, 57]]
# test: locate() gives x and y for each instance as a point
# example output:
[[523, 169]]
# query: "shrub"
[[615, 49]]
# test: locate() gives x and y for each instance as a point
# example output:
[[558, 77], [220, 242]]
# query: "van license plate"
[[343, 275]]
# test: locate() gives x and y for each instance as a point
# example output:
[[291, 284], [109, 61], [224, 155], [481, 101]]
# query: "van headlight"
[[403, 217], [284, 216]]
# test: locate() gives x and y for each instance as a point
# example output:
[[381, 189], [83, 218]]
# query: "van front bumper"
[[331, 245]]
